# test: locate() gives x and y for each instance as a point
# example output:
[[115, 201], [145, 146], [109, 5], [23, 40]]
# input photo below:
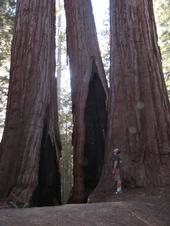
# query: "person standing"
[[116, 163]]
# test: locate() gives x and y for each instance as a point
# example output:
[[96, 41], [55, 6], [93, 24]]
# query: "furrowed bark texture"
[[139, 113], [89, 89], [31, 145]]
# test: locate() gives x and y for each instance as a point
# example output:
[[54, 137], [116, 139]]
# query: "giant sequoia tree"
[[30, 146], [89, 96], [139, 112]]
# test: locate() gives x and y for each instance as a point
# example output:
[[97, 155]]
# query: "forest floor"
[[135, 207]]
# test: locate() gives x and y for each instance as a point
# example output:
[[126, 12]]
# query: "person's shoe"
[[118, 192]]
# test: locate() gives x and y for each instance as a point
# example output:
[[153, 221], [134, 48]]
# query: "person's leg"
[[119, 185], [119, 182], [115, 179]]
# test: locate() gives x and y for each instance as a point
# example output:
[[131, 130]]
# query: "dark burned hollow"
[[95, 126], [48, 189]]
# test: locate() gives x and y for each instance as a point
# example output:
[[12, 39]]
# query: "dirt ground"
[[132, 208]]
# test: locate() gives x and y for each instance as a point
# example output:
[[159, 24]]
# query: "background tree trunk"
[[30, 147], [89, 96], [139, 113], [59, 52]]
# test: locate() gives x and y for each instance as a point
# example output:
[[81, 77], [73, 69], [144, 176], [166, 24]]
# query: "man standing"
[[116, 169]]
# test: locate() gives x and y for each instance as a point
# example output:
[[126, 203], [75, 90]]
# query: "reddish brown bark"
[[30, 147], [89, 90], [139, 112]]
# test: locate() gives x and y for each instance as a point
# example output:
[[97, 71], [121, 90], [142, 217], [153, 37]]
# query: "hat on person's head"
[[115, 150]]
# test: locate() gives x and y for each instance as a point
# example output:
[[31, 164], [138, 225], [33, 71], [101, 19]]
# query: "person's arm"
[[114, 167]]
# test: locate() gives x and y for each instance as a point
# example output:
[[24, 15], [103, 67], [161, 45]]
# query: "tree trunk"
[[30, 148], [139, 113], [89, 96]]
